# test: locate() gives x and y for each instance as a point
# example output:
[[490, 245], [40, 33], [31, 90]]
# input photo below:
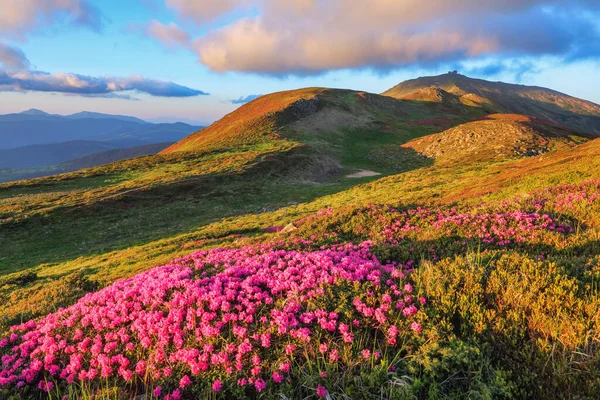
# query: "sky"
[[196, 60]]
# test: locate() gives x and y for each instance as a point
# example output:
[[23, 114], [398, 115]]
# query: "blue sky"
[[234, 49]]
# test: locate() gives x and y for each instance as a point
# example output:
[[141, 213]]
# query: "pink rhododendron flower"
[[415, 326], [321, 391], [185, 381], [217, 386], [277, 377]]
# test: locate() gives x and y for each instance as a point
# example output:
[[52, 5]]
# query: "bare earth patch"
[[363, 173]]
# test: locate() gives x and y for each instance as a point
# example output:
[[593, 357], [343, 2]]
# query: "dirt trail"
[[362, 173]]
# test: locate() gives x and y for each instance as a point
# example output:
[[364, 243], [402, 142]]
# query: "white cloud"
[[22, 81], [203, 11]]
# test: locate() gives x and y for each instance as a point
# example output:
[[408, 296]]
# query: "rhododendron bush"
[[237, 321]]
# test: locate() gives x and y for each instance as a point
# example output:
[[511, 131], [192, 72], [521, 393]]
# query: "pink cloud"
[[11, 57], [170, 35], [313, 36], [18, 17]]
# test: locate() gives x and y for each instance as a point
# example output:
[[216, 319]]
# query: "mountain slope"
[[110, 156], [101, 155], [35, 139], [497, 270], [335, 129], [500, 97], [508, 269]]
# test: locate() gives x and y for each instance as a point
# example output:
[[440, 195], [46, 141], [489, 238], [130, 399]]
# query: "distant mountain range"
[[34, 127], [36, 139], [57, 165]]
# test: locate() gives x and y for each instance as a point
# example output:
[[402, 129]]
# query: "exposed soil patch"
[[362, 173]]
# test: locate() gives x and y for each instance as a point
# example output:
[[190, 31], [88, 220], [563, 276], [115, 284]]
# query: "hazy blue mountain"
[[117, 131], [94, 115], [40, 155], [35, 112], [87, 161], [36, 139]]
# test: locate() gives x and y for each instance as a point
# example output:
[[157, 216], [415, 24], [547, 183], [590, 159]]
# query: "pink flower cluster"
[[500, 228], [234, 315], [567, 197], [492, 224]]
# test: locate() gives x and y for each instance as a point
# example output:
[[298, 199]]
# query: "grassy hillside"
[[458, 331], [272, 159], [471, 233], [336, 129]]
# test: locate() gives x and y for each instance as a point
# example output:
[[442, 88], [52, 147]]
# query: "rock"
[[289, 228]]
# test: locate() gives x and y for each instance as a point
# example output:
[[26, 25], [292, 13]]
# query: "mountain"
[[25, 129], [110, 156], [331, 130], [40, 155], [94, 115], [35, 113], [59, 158], [500, 97], [35, 139], [354, 245], [170, 120]]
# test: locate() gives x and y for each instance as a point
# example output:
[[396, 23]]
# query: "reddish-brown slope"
[[247, 125]]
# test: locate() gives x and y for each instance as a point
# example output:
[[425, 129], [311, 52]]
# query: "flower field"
[[371, 302], [235, 321]]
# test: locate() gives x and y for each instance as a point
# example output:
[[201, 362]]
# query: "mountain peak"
[[501, 97], [96, 115], [34, 111]]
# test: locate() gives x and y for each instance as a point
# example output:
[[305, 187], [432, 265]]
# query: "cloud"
[[20, 81], [247, 99], [170, 35], [203, 11], [12, 57], [518, 68], [107, 96], [18, 17], [303, 37]]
